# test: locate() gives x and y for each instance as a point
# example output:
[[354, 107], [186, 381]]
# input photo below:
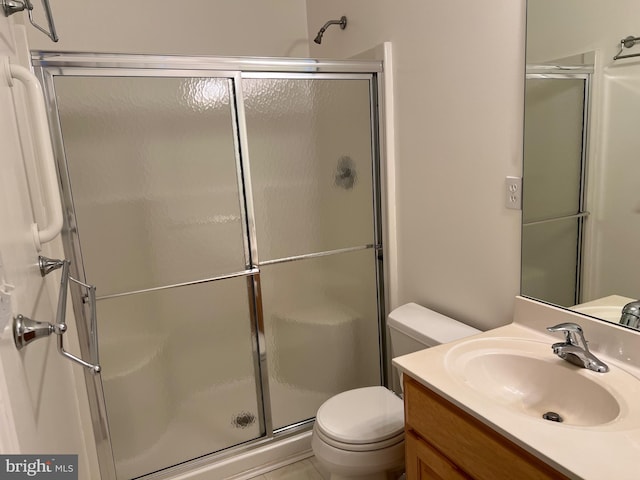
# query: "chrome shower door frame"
[[48, 65]]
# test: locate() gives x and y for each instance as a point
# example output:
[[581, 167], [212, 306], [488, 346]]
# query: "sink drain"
[[552, 417]]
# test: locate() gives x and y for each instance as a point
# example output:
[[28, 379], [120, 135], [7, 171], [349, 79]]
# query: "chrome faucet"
[[574, 349], [631, 315]]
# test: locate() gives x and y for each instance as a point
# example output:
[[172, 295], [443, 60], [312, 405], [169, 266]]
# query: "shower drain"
[[552, 417], [243, 419]]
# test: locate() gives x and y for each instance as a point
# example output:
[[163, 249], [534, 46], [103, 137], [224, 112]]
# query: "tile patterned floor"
[[307, 469]]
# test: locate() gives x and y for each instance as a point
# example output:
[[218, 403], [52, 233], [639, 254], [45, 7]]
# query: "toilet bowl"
[[359, 434]]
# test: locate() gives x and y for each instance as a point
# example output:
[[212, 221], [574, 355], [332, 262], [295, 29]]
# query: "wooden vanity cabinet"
[[445, 442]]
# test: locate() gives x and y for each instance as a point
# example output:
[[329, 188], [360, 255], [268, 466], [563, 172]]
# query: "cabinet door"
[[426, 463], [475, 448]]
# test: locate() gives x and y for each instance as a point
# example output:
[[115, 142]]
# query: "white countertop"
[[602, 452], [608, 308]]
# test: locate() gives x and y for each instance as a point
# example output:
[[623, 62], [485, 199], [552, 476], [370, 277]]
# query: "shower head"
[[342, 22]]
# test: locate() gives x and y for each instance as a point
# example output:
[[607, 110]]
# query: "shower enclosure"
[[554, 177], [228, 213]]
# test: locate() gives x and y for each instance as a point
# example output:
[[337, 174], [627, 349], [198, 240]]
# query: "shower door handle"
[[26, 330]]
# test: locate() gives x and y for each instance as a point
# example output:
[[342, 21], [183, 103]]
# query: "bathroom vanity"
[[445, 442], [474, 408]]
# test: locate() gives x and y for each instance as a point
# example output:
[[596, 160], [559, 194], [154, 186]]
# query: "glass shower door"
[[229, 221], [553, 192], [312, 176], [154, 169]]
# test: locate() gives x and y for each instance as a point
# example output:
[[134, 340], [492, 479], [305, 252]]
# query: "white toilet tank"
[[413, 327]]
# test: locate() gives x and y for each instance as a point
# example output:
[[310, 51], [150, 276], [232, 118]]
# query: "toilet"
[[359, 434]]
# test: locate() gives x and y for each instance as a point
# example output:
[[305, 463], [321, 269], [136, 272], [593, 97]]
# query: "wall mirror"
[[581, 174]]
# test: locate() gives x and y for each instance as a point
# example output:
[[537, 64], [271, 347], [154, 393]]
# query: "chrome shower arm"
[[342, 22]]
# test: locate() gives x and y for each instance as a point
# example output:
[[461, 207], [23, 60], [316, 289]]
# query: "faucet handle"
[[572, 332], [631, 314], [566, 327]]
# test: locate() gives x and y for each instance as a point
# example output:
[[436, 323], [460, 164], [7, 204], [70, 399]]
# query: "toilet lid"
[[363, 415]]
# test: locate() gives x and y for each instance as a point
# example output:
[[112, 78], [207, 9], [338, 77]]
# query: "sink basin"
[[525, 377]]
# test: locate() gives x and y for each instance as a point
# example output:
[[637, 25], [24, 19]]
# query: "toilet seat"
[[358, 447], [364, 419]]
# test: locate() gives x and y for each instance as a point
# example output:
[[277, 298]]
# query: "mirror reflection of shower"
[[342, 22]]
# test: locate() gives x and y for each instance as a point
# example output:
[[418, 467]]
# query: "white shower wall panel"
[[615, 219]]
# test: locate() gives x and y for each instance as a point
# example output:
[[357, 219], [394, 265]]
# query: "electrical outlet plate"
[[513, 193]]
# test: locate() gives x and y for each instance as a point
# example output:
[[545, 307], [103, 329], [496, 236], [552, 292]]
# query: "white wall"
[[196, 27], [561, 29], [43, 408], [459, 76]]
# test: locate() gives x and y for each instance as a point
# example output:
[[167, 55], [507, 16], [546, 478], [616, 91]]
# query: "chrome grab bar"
[[26, 330]]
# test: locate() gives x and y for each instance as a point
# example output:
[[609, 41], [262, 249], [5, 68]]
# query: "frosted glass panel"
[[153, 175], [321, 329], [311, 164], [178, 374], [553, 147], [553, 140], [549, 261]]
